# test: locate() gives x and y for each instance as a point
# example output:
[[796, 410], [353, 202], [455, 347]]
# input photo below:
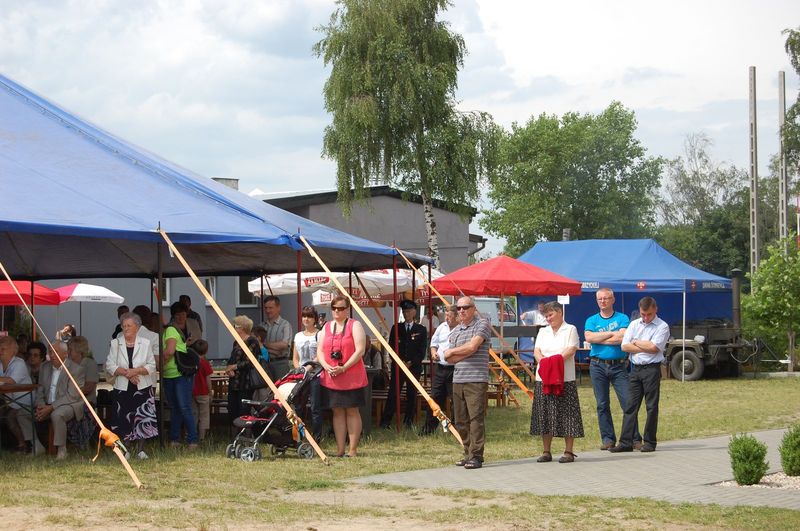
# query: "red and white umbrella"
[[88, 293]]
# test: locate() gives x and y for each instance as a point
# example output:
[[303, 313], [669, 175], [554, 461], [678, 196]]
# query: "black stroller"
[[268, 424]]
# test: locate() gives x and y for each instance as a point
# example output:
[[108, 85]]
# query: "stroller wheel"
[[248, 454], [237, 452], [305, 450], [230, 451]]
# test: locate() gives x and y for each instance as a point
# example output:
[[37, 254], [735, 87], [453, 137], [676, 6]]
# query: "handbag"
[[254, 379], [188, 362]]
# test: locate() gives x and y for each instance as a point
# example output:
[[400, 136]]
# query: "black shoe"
[[646, 448], [462, 461], [385, 426], [619, 448], [426, 431], [473, 463]]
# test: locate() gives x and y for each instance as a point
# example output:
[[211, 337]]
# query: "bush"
[[747, 459], [790, 451]]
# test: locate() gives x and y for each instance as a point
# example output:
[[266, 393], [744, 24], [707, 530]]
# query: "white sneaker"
[[141, 455], [62, 452]]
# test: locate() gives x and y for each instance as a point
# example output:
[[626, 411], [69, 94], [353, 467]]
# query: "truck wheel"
[[688, 361]]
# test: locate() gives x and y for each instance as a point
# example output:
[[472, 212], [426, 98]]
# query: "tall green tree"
[[704, 210], [774, 305], [791, 128], [584, 172], [391, 96]]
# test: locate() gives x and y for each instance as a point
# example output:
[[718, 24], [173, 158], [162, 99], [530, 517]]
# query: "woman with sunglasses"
[[340, 346]]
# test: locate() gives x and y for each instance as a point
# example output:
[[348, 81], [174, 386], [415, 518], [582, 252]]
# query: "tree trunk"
[[430, 228], [792, 359]]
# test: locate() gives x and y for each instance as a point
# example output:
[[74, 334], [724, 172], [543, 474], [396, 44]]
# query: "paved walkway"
[[679, 471]]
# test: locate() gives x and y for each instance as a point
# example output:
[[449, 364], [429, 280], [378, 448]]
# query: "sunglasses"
[[338, 308], [464, 308]]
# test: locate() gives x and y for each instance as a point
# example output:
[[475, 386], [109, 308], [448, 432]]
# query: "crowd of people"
[[624, 355]]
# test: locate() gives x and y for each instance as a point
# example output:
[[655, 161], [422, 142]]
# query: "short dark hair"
[[122, 309], [271, 298], [39, 346], [200, 346], [645, 303], [260, 332], [309, 311], [177, 307], [185, 299]]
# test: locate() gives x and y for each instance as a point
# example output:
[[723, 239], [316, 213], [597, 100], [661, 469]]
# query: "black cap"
[[408, 305]]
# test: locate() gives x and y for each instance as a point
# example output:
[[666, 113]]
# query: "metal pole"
[[299, 294], [160, 326], [755, 255], [683, 333], [783, 181], [396, 346]]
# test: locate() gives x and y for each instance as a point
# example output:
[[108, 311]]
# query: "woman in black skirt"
[[556, 411], [340, 346], [132, 366]]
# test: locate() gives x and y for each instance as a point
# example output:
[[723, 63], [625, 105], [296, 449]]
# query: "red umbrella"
[[503, 275], [41, 294]]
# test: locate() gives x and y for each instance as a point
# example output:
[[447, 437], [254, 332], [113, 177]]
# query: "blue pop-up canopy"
[[633, 269], [79, 202]]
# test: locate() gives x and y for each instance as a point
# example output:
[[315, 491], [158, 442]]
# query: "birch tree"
[[391, 97]]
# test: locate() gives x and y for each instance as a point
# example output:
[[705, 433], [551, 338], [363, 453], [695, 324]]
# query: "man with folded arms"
[[644, 341], [608, 365]]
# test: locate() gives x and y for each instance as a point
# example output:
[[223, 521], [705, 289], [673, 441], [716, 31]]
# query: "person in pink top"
[[340, 346]]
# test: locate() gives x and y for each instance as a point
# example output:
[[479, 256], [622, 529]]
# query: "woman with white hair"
[[132, 366], [239, 366]]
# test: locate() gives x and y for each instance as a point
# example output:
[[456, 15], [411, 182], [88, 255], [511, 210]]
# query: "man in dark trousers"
[[413, 342]]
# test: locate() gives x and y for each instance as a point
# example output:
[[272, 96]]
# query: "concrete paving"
[[679, 471]]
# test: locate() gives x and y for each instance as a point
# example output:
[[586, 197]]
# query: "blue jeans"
[[603, 377], [179, 397]]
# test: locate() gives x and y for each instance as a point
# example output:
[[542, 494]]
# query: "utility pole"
[[754, 244], [783, 179]]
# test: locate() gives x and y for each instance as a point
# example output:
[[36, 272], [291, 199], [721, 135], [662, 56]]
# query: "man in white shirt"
[[442, 386], [644, 341]]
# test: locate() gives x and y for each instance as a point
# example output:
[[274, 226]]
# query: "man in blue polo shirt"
[[645, 340], [608, 365]]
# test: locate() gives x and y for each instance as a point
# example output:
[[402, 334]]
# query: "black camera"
[[337, 356]]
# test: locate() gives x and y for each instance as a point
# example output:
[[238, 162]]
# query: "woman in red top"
[[340, 347]]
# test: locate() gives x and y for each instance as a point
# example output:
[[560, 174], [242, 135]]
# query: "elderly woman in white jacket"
[[132, 366]]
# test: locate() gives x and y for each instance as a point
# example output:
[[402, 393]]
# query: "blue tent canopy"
[[80, 202], [633, 269]]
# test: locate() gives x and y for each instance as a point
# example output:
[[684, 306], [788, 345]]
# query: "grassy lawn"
[[205, 490]]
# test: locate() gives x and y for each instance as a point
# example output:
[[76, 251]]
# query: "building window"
[[164, 291], [211, 286], [244, 297]]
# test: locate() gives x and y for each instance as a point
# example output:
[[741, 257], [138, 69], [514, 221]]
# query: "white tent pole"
[[683, 365]]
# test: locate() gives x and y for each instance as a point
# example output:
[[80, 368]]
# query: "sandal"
[[546, 457], [568, 457]]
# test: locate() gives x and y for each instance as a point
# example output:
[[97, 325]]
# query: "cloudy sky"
[[231, 88]]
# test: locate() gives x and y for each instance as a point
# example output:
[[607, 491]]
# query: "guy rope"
[[290, 413], [107, 436], [437, 411], [511, 374]]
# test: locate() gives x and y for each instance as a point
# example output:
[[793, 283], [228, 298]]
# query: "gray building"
[[387, 219]]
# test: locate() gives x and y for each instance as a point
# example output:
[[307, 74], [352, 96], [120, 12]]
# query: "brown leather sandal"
[[568, 457], [546, 457]]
